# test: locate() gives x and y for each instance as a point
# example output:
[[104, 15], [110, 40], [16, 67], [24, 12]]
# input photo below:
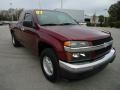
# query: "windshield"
[[51, 18]]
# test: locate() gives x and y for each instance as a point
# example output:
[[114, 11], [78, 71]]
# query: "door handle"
[[22, 28]]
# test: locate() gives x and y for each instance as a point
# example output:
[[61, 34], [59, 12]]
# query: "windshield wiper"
[[67, 24], [50, 24]]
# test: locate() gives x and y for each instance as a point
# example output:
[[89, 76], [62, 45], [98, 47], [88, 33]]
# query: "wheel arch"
[[44, 45]]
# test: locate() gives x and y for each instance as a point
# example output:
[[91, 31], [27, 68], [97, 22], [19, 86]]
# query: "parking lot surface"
[[20, 69]]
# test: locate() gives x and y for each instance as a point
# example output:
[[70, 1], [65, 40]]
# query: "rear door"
[[17, 31], [18, 28]]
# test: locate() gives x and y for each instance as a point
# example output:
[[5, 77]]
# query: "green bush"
[[98, 25], [105, 25], [90, 24], [115, 24], [111, 24]]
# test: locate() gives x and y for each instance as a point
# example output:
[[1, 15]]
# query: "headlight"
[[76, 44], [74, 57], [72, 53]]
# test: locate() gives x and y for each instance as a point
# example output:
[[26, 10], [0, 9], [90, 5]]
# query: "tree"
[[18, 12], [101, 19], [94, 19], [0, 17], [114, 12]]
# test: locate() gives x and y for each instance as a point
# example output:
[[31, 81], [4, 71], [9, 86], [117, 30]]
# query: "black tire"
[[54, 60], [15, 42]]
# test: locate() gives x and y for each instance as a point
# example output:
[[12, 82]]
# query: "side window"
[[28, 20], [28, 17]]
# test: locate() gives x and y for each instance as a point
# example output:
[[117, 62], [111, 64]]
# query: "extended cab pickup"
[[65, 48]]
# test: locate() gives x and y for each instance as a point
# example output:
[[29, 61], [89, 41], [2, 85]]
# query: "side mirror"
[[28, 23]]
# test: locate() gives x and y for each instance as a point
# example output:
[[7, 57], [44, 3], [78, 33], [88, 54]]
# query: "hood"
[[76, 32]]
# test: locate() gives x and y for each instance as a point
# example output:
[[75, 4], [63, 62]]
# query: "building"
[[91, 19]]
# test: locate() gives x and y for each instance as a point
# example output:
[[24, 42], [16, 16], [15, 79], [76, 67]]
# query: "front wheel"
[[49, 65]]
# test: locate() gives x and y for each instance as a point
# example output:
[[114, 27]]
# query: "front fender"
[[55, 43]]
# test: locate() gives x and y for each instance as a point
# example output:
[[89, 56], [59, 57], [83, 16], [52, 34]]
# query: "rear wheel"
[[49, 65], [15, 42]]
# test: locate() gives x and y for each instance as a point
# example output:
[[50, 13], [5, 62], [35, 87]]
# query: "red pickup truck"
[[65, 48]]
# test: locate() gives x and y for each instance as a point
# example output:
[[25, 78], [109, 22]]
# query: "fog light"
[[82, 54], [76, 55]]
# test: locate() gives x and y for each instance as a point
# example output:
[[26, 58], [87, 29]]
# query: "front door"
[[29, 36]]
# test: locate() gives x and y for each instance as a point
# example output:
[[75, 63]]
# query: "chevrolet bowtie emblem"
[[105, 45]]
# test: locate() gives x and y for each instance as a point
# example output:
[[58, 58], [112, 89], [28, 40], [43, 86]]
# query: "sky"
[[89, 6]]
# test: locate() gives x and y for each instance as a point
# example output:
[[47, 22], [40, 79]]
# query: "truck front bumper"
[[84, 67]]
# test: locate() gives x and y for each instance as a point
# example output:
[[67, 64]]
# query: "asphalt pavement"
[[20, 69]]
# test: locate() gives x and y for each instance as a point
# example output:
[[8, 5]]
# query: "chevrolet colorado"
[[61, 43]]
